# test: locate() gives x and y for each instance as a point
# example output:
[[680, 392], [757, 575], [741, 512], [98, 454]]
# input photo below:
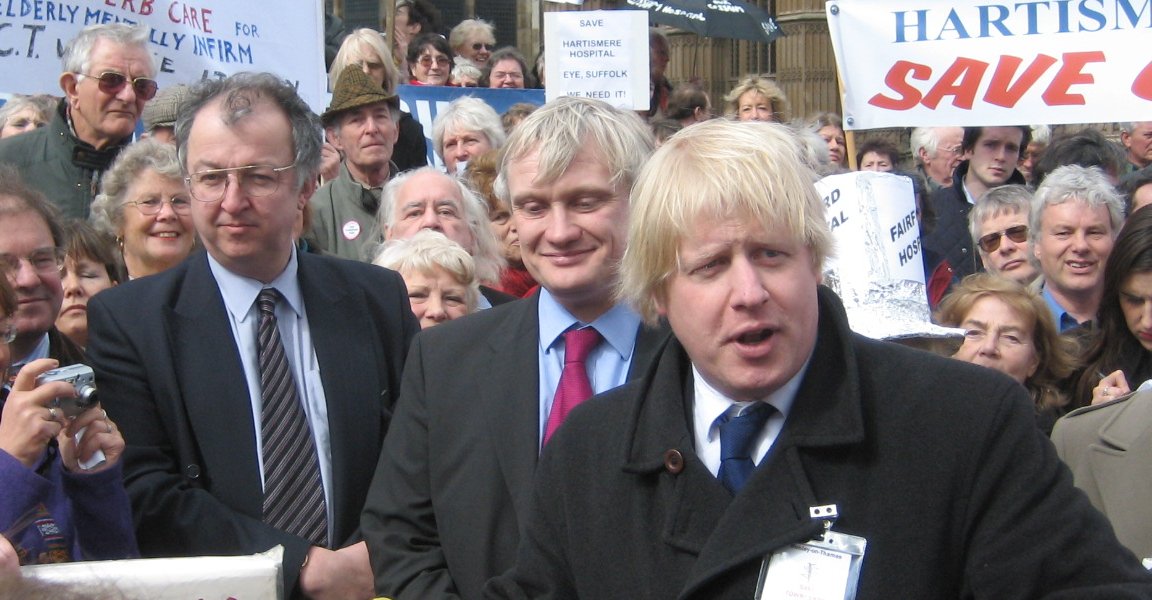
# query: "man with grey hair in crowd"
[[107, 79], [426, 198], [1136, 137], [1075, 218], [361, 123], [936, 152], [482, 394], [770, 452], [253, 383], [999, 227]]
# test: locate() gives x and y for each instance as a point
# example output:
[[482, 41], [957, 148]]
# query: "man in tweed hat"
[[361, 124], [160, 113]]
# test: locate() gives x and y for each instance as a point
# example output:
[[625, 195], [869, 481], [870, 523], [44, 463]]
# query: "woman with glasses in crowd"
[[63, 498], [1119, 355], [429, 60], [1008, 327], [143, 204]]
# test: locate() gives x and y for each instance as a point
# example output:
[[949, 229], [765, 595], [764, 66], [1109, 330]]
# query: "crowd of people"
[[302, 334]]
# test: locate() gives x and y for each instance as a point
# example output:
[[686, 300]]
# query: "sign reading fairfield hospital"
[[190, 41], [914, 63]]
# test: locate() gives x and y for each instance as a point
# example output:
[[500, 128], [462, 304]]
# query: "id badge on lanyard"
[[825, 568]]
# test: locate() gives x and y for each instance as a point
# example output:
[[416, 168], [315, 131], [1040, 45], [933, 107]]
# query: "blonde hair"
[[777, 99], [352, 50], [718, 169]]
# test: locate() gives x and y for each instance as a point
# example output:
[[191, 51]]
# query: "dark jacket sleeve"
[[399, 521]]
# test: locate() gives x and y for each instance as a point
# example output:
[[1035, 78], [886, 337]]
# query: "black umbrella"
[[731, 19]]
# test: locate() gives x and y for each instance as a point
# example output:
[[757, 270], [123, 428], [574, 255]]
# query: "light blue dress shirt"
[[608, 363], [239, 295]]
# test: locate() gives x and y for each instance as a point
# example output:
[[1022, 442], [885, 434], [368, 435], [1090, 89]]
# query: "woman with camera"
[[61, 491]]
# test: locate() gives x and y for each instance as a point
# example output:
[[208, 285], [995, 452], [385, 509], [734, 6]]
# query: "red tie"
[[574, 386]]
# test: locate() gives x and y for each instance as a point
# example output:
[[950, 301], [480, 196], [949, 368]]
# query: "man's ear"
[[68, 82], [331, 137]]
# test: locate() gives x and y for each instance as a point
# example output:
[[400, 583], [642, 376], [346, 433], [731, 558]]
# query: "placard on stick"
[[598, 54]]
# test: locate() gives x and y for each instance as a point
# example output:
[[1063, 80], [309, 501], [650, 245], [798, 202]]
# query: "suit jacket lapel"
[[215, 393], [349, 364], [510, 391]]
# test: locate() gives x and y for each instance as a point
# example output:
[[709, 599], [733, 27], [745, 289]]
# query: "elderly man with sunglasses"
[[999, 227], [107, 79]]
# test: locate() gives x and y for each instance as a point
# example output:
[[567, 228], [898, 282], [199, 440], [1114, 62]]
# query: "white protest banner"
[[877, 267], [598, 54], [190, 41], [910, 63]]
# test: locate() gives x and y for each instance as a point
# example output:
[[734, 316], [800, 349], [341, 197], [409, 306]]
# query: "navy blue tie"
[[736, 437]]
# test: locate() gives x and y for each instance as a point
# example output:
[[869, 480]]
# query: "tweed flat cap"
[[355, 89], [164, 108]]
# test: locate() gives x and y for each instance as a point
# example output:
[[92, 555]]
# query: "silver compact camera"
[[82, 379]]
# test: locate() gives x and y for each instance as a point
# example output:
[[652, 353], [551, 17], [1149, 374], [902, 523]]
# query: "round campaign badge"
[[351, 230]]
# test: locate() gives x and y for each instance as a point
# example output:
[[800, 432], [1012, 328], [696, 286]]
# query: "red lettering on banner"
[[963, 77], [961, 81], [897, 82], [130, 5], [1071, 73], [1142, 87], [1001, 90], [181, 13]]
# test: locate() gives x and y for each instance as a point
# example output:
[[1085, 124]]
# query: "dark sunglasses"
[[477, 46], [991, 242], [111, 83]]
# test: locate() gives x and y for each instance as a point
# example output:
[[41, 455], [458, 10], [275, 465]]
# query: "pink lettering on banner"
[[184, 14]]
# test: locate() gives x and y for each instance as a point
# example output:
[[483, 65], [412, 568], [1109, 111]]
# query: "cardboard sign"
[[189, 41], [598, 54], [907, 63]]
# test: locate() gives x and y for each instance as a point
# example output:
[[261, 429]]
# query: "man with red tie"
[[482, 394]]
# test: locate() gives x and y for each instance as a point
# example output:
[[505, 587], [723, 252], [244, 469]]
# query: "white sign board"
[[878, 265], [189, 41], [599, 54], [907, 63]]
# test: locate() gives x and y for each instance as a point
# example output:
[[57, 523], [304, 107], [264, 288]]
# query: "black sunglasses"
[[111, 83], [477, 46], [991, 242]]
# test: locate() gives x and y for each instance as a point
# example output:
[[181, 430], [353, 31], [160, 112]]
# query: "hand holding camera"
[[47, 402]]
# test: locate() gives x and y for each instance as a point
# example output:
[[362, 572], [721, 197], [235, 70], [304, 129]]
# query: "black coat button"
[[192, 471]]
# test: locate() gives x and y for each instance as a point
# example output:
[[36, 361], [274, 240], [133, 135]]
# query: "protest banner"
[[252, 577], [424, 102], [909, 63], [877, 266], [190, 41], [598, 54]]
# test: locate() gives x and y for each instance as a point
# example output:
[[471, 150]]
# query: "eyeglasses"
[[513, 75], [478, 45], [111, 82], [7, 331], [427, 60], [44, 260], [254, 181], [991, 242], [153, 206]]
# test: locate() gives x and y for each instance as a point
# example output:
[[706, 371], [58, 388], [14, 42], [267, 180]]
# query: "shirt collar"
[[1064, 319], [240, 292], [618, 326], [711, 402]]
